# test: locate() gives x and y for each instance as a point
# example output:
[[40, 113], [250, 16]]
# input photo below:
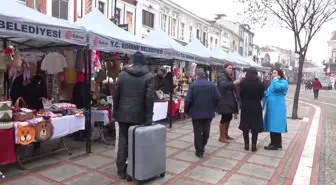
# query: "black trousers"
[[122, 153], [201, 133], [316, 93], [276, 139], [247, 138]]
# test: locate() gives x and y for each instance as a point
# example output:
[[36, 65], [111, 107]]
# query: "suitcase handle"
[[133, 148]]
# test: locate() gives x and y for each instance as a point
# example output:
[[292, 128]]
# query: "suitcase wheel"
[[129, 178], [162, 175]]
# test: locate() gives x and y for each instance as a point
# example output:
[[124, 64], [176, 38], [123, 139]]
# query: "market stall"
[[181, 57], [113, 45], [25, 34]]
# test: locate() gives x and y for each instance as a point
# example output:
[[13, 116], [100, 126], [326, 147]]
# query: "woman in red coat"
[[316, 85]]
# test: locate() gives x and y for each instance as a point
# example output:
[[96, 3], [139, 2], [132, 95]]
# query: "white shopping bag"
[[116, 127]]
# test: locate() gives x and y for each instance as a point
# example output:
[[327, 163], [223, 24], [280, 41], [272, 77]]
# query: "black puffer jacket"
[[134, 95], [228, 102]]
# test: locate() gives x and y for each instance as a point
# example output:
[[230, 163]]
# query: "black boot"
[[121, 174], [254, 141], [246, 140], [271, 147]]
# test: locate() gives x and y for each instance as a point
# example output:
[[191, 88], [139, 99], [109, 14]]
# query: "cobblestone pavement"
[[227, 164], [327, 163]]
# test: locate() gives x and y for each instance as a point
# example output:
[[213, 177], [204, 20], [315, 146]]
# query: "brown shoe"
[[227, 132], [222, 133]]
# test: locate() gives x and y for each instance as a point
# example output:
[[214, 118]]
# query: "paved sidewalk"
[[227, 164]]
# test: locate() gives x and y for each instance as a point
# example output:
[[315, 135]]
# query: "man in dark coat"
[[201, 101], [228, 103], [132, 104]]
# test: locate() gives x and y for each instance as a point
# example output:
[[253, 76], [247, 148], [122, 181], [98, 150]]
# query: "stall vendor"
[[168, 83], [30, 86], [158, 78]]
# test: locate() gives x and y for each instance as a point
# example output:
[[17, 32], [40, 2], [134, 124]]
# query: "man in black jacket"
[[132, 104], [202, 99]]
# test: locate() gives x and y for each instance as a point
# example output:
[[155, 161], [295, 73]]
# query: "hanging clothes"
[[54, 63], [113, 69]]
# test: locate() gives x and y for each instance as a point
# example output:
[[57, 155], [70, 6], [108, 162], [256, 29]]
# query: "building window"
[[129, 21], [147, 19], [117, 16], [204, 39], [226, 34], [241, 33], [101, 7], [216, 42], [173, 27], [333, 55], [164, 22], [190, 33], [211, 40], [60, 9], [251, 39], [198, 36], [182, 31]]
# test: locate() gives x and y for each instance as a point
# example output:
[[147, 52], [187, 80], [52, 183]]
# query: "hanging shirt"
[[54, 63]]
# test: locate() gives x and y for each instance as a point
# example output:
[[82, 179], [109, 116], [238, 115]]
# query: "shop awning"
[[199, 49], [237, 59], [178, 51], [105, 36], [220, 54], [33, 29]]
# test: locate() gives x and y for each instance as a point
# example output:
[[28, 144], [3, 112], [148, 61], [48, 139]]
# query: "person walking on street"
[[132, 104], [228, 103], [251, 93], [201, 101], [275, 119], [316, 84]]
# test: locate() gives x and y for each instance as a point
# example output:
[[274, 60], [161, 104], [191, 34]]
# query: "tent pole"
[[171, 95], [87, 99]]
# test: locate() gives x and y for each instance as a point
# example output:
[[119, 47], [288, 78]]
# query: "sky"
[[318, 48]]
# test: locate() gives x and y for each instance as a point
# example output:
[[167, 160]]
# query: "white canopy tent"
[[178, 51], [220, 54], [238, 59], [105, 36], [199, 49], [32, 29]]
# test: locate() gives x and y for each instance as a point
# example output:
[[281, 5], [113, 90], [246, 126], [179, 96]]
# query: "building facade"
[[332, 48]]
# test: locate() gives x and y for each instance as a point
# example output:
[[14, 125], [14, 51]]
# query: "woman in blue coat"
[[275, 119]]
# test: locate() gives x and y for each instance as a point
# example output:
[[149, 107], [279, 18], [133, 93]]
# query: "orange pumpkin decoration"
[[25, 134]]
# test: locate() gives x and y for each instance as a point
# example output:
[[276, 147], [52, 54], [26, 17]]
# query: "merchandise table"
[[62, 126], [160, 110], [100, 118], [7, 144]]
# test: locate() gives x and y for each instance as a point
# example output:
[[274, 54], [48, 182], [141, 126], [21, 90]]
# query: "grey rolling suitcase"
[[146, 152]]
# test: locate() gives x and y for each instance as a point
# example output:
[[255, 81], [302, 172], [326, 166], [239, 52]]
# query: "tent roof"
[[26, 26], [237, 58], [104, 35], [197, 47], [161, 38]]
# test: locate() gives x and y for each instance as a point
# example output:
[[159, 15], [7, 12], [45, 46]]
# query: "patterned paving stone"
[[94, 161], [188, 138], [172, 135], [176, 166], [271, 153], [178, 144], [184, 182], [110, 170], [236, 146], [110, 153], [159, 180], [221, 163], [231, 154], [42, 164], [207, 175], [208, 149], [28, 180], [244, 180], [264, 160], [215, 143], [257, 171], [181, 131], [62, 172], [89, 179], [187, 156], [170, 151]]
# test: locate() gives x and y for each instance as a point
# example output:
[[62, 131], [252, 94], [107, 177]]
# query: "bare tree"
[[303, 17]]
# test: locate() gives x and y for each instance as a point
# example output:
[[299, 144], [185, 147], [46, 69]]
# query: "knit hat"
[[139, 58]]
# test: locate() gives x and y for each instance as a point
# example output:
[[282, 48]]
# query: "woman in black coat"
[[228, 103], [251, 93]]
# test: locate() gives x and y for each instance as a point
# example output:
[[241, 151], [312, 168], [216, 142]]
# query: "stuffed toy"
[[25, 134], [43, 130]]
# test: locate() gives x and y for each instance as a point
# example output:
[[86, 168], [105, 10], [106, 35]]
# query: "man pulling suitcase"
[[132, 104]]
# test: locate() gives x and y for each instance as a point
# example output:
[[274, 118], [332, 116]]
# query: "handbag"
[[19, 115]]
